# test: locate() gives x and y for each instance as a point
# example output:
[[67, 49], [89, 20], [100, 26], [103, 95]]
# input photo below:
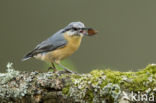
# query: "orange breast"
[[72, 45]]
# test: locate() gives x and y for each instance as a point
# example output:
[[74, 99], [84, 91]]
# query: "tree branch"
[[98, 86]]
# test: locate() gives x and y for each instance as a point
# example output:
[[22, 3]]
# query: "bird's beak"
[[89, 31]]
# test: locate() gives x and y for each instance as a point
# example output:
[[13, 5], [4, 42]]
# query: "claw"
[[69, 71], [51, 68]]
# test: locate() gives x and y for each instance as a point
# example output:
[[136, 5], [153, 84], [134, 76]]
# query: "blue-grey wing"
[[55, 41]]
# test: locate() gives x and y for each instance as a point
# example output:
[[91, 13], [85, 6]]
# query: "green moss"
[[109, 84], [65, 90]]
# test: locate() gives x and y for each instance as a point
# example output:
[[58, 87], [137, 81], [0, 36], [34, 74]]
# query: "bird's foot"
[[53, 69], [66, 72], [69, 71]]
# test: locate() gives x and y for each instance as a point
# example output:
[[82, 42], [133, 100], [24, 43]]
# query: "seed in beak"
[[91, 32]]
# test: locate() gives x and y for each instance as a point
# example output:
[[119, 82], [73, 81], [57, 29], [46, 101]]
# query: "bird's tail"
[[28, 56], [25, 58]]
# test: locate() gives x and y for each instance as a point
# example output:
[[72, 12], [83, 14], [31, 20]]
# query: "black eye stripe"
[[75, 28]]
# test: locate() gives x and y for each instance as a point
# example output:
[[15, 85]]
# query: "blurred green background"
[[126, 38]]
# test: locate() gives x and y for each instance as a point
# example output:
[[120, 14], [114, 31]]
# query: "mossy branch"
[[98, 86]]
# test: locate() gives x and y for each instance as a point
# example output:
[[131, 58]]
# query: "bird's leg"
[[66, 69], [52, 67]]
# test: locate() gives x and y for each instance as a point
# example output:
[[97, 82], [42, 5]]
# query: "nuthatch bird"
[[61, 45]]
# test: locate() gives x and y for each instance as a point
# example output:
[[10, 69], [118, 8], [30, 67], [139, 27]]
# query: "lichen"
[[88, 88], [11, 73], [94, 87]]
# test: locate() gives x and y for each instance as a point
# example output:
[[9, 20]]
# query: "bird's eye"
[[75, 29]]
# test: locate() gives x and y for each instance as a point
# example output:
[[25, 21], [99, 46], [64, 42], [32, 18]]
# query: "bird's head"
[[79, 29]]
